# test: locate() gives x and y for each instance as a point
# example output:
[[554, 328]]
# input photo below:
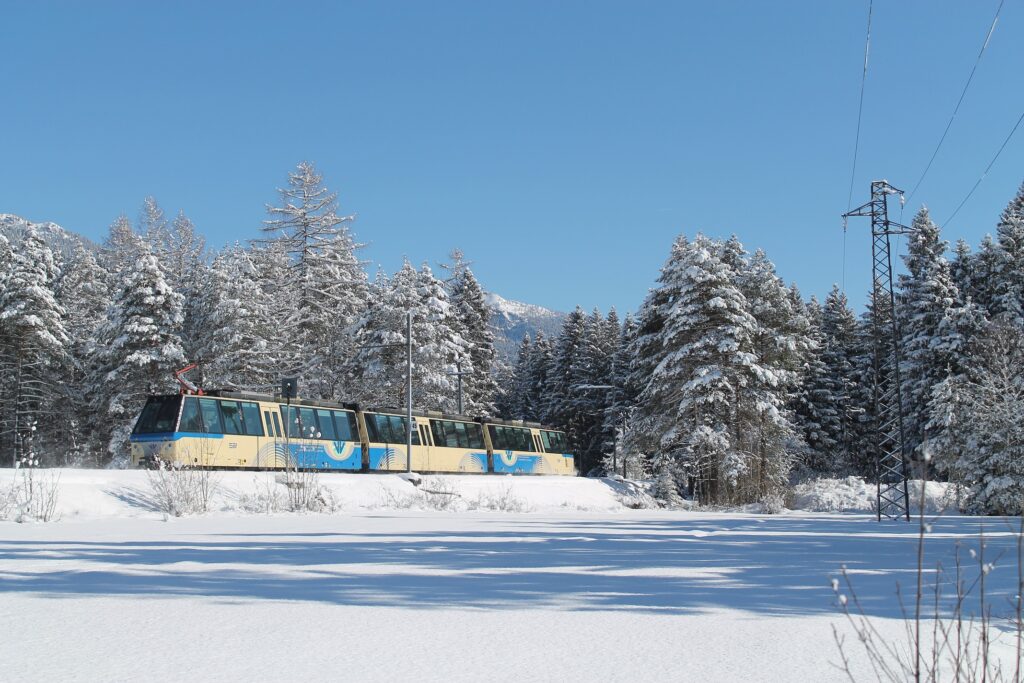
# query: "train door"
[[425, 443]]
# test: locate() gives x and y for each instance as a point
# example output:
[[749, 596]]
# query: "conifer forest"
[[726, 384]]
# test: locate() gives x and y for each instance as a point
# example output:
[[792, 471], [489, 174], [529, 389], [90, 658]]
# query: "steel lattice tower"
[[889, 442]]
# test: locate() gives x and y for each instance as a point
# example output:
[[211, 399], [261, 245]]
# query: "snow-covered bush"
[[267, 498], [303, 492], [32, 496], [440, 494], [503, 501], [180, 491]]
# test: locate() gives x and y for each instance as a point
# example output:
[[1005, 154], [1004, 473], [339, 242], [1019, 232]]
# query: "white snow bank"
[[84, 493], [853, 494]]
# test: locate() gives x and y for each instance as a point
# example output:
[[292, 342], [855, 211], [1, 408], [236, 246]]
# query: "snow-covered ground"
[[588, 590]]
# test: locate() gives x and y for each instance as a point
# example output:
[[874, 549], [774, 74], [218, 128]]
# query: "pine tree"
[[541, 361], [236, 350], [514, 403], [35, 340], [558, 406], [693, 392], [83, 294], [327, 287], [142, 349], [985, 425], [473, 322], [930, 341], [377, 371], [844, 359], [816, 403], [1008, 287]]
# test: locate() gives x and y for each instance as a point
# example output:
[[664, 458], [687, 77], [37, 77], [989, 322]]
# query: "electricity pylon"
[[889, 441]]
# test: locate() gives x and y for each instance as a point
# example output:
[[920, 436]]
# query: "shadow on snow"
[[766, 566]]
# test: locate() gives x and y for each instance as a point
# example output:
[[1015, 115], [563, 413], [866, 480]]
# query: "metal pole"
[[458, 373], [408, 391]]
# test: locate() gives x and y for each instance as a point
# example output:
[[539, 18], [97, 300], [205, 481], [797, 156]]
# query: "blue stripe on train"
[[174, 436]]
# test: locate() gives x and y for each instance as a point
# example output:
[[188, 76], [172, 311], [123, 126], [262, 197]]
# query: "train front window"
[[158, 415], [190, 419]]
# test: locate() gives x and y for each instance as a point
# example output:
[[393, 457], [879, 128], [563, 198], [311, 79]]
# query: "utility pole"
[[889, 440], [458, 379], [408, 391]]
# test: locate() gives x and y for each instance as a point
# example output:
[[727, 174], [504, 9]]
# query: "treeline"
[[726, 383], [729, 384]]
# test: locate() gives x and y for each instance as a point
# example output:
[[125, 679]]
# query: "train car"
[[228, 429], [528, 448], [240, 430]]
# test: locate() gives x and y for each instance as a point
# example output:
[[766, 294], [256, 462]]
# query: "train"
[[228, 429]]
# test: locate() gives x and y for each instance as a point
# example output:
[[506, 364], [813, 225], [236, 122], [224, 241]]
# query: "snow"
[[378, 594]]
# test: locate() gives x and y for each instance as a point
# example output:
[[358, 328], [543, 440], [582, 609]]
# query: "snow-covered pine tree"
[[541, 360], [984, 422], [377, 371], [816, 403], [693, 392], [589, 392], [844, 381], [437, 345], [622, 398], [514, 398], [236, 349], [83, 294], [647, 350], [154, 227], [1008, 287], [120, 250], [323, 262], [781, 343], [473, 318], [141, 349], [559, 392], [927, 301], [35, 340], [346, 293], [983, 271]]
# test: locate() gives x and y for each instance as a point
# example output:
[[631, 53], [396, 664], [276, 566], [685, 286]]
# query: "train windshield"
[[159, 415]]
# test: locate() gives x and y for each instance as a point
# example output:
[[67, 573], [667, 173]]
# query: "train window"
[[326, 422], [511, 439], [251, 419], [232, 415], [476, 435], [270, 424], [345, 425], [277, 425], [307, 423], [158, 415], [290, 417], [211, 416], [554, 442], [191, 421]]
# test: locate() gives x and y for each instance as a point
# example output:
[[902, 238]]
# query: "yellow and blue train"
[[239, 430]]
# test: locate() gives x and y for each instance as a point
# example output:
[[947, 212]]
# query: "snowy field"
[[581, 590]]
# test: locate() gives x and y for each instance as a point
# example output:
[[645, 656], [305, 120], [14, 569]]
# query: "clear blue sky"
[[561, 145]]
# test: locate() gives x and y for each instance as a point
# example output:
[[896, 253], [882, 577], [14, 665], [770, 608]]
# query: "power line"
[[860, 107], [987, 169], [963, 92]]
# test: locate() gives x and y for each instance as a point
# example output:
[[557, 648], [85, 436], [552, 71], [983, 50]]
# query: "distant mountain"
[[62, 242], [512, 320]]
